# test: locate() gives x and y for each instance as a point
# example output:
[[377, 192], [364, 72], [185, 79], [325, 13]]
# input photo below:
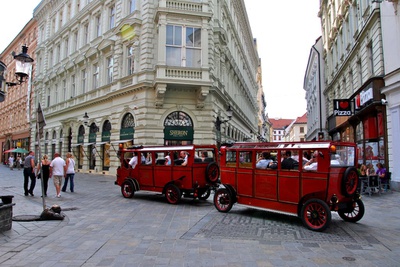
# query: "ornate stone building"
[[360, 44], [144, 72]]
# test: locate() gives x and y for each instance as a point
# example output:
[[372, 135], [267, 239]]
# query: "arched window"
[[128, 121], [178, 118], [178, 129], [107, 126]]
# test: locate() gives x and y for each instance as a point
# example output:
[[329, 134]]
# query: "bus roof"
[[288, 145], [168, 148]]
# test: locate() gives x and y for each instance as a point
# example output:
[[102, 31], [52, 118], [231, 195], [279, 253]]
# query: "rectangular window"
[[112, 17], [370, 59], [51, 58], [131, 60], [64, 90], [132, 5], [84, 78], [66, 52], [193, 47], [174, 45], [75, 41], [95, 76], [73, 86], [56, 94], [60, 21], [110, 69], [301, 129], [48, 97], [85, 33], [98, 26]]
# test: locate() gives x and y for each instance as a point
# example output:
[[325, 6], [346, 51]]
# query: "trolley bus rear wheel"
[[223, 200], [172, 194], [316, 215], [127, 189], [354, 212]]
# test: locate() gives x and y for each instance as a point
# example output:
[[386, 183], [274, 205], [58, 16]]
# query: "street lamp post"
[[22, 67], [218, 123]]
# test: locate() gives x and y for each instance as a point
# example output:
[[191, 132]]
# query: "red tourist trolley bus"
[[191, 171], [305, 179]]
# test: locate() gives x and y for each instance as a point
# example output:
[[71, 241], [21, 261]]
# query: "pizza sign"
[[342, 107]]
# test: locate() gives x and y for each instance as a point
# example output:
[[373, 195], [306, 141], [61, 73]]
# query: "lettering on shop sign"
[[178, 133], [365, 96], [342, 107]]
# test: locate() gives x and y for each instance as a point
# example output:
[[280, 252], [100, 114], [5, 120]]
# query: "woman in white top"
[[70, 162]]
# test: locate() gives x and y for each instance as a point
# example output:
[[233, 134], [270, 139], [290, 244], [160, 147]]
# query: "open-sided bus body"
[[294, 182], [162, 169]]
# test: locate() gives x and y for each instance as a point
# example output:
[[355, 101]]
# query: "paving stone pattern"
[[101, 228]]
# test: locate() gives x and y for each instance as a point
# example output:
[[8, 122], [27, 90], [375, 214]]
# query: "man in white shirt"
[[134, 160], [312, 164], [58, 170], [184, 156]]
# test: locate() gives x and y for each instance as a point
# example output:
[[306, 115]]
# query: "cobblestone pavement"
[[101, 228]]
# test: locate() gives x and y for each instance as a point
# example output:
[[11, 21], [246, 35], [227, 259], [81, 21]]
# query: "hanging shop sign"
[[364, 97], [106, 136], [178, 133], [126, 134], [342, 107]]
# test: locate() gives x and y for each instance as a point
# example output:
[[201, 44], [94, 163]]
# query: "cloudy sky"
[[285, 32]]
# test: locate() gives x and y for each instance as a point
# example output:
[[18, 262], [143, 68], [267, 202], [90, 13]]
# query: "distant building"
[[278, 127], [297, 130]]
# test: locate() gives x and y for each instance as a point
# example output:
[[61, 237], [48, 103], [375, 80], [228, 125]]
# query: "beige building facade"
[[144, 72]]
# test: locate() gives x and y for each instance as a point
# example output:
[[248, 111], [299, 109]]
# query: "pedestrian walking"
[[11, 162], [19, 162], [70, 173], [57, 171], [43, 172], [29, 173]]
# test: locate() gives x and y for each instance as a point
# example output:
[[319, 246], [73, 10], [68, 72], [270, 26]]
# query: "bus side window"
[[245, 160], [231, 158]]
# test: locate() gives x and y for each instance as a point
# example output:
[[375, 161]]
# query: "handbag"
[[39, 176]]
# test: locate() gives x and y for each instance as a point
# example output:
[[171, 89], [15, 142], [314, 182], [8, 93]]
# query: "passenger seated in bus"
[[148, 160], [335, 160], [184, 156], [203, 156], [167, 160], [288, 162], [312, 164], [134, 160], [263, 161]]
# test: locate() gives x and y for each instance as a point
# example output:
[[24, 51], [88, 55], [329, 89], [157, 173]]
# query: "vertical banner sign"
[[342, 107]]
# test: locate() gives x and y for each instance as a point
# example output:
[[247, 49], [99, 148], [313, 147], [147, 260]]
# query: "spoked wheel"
[[172, 194], [354, 212], [316, 215], [223, 200], [350, 182], [212, 172], [127, 189], [205, 195]]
